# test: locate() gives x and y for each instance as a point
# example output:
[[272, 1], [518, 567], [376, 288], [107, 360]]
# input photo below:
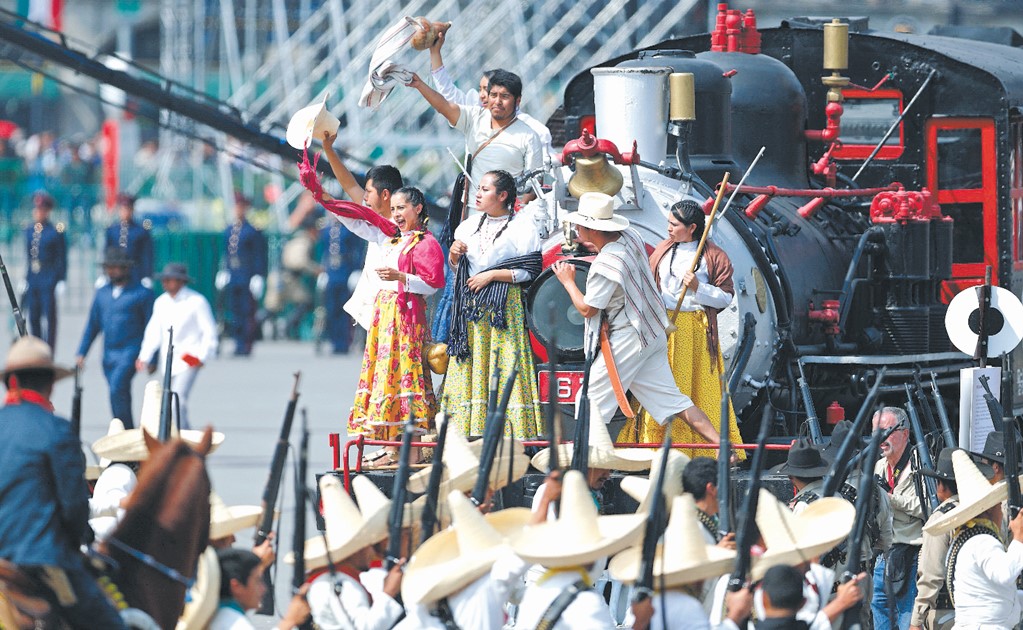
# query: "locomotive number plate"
[[568, 382]]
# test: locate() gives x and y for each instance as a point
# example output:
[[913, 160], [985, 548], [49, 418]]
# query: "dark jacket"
[[122, 320], [46, 253], [137, 242], [246, 254], [44, 502]]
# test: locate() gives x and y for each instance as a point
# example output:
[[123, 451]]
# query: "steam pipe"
[[872, 234], [827, 193]]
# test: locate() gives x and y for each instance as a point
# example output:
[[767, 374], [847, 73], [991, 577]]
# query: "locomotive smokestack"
[[682, 115]]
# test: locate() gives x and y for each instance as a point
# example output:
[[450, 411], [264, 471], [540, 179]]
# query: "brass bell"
[[594, 174]]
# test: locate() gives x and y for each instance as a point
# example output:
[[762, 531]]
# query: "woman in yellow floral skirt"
[[494, 256], [693, 349]]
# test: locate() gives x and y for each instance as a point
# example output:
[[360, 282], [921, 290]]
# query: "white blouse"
[[671, 273], [490, 245]]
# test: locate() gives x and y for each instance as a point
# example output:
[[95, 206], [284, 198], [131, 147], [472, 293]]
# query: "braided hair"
[[415, 197], [503, 183], [687, 212]]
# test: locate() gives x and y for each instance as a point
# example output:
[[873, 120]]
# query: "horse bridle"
[[153, 563]]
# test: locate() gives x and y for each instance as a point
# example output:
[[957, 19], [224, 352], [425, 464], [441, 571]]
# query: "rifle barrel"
[[168, 396], [939, 404], [19, 318], [399, 494], [273, 481], [922, 451], [655, 523], [429, 518], [744, 541]]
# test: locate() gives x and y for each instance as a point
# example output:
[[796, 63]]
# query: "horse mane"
[[154, 476]]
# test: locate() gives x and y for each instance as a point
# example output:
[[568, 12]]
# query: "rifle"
[[939, 403], [925, 404], [580, 450], [983, 306], [301, 499], [19, 319], [495, 438], [76, 405], [924, 454], [749, 338], [864, 501], [839, 471], [744, 540], [399, 494], [858, 457], [429, 518], [168, 396], [1011, 454], [271, 489], [811, 414], [655, 524]]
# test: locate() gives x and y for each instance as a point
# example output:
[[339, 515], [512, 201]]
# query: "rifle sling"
[[560, 604]]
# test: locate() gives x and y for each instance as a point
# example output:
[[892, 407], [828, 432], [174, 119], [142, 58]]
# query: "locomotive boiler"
[[881, 194]]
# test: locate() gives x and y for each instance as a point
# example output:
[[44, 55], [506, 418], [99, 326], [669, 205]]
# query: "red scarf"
[[16, 395]]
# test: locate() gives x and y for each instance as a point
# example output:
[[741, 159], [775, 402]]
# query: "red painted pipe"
[[827, 193]]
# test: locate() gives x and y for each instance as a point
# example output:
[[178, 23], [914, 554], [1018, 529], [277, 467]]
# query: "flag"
[[45, 12]]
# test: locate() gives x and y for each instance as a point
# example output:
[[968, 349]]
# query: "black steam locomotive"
[[880, 196]]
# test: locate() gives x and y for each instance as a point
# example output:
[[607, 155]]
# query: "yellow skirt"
[[468, 382], [393, 381], [696, 375]]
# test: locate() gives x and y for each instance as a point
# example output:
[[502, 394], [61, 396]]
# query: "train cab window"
[[969, 231], [959, 158], [866, 118]]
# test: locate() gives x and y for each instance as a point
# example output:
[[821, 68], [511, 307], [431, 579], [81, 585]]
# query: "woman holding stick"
[[693, 348]]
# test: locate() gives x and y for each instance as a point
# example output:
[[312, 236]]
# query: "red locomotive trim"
[[854, 151]]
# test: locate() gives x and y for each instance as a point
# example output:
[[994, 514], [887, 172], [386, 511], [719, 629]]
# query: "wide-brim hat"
[[596, 211], [838, 436], [174, 271], [32, 353], [805, 460], [683, 556], [642, 488], [204, 596], [603, 452], [797, 538], [994, 448], [976, 496], [456, 557], [578, 536], [226, 520], [944, 470], [130, 445], [117, 257], [309, 123], [462, 464]]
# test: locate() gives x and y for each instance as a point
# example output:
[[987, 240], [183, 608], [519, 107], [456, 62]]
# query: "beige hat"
[[603, 453], [641, 488], [32, 353], [578, 537], [226, 520], [347, 529], [204, 596], [794, 539], [130, 446], [976, 496], [596, 211], [456, 557], [683, 556], [462, 464], [309, 123]]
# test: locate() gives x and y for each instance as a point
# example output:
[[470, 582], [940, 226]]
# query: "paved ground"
[[244, 398]]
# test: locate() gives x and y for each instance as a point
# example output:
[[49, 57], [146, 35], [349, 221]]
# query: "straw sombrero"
[[795, 539], [462, 464], [204, 596], [578, 536], [683, 556], [347, 529], [596, 211], [603, 453], [456, 557], [309, 123], [226, 520], [130, 446], [976, 496], [641, 488], [32, 353]]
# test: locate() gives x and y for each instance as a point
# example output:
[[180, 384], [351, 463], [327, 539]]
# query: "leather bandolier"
[[958, 540], [837, 556]]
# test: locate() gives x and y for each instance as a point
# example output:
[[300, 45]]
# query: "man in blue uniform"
[[134, 239], [46, 255], [246, 265], [120, 311], [341, 254], [44, 502]]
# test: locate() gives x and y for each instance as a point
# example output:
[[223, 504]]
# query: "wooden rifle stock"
[[19, 318], [655, 523], [836, 476], [745, 538], [168, 395], [496, 435], [399, 494], [864, 501], [429, 518]]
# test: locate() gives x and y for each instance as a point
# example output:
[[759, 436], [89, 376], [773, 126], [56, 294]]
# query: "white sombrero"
[[976, 496], [578, 537], [130, 445], [683, 556], [456, 557], [309, 123], [347, 529], [204, 596], [226, 520], [641, 488], [462, 464], [603, 453], [596, 211], [794, 539]]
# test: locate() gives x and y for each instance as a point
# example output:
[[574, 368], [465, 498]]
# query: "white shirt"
[[517, 149], [671, 273], [683, 611], [812, 611], [360, 305], [389, 254], [195, 332], [519, 238], [230, 619], [588, 611], [446, 87], [114, 484], [351, 610], [985, 584], [478, 606]]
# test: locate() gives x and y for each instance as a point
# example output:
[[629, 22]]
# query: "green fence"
[[200, 251]]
